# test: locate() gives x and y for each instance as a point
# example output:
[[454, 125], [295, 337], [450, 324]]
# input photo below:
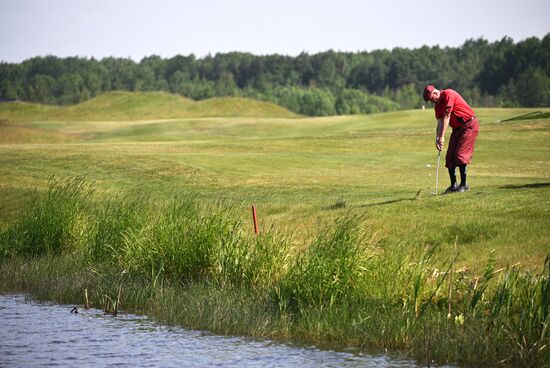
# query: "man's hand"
[[439, 143]]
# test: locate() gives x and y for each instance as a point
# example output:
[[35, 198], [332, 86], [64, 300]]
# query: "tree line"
[[501, 73]]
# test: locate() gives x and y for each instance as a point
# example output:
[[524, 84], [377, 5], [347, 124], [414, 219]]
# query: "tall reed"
[[180, 240], [330, 270], [51, 223]]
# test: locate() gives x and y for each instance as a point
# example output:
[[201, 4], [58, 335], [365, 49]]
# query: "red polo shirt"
[[453, 103]]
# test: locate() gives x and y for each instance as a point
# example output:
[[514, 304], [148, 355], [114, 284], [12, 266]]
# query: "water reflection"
[[40, 334]]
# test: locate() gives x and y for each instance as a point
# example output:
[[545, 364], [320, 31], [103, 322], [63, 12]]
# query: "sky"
[[139, 28]]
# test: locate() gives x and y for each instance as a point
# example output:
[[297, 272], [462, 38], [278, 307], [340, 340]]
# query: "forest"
[[503, 73]]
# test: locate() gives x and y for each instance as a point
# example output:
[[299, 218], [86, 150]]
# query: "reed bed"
[[191, 263]]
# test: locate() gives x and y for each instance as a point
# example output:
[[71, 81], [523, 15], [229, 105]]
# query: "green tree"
[[407, 97], [317, 102], [69, 89], [202, 89], [181, 83], [93, 83], [532, 88], [146, 80], [40, 88], [225, 85], [185, 64], [485, 73]]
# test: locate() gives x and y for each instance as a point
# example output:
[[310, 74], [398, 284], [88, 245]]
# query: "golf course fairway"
[[353, 248]]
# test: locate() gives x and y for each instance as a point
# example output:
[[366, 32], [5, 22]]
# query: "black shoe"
[[451, 189], [463, 188]]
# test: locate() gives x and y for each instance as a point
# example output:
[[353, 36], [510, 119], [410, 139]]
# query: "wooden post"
[[87, 302], [254, 217]]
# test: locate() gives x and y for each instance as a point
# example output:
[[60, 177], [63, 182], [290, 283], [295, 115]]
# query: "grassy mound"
[[129, 106], [116, 106], [237, 107]]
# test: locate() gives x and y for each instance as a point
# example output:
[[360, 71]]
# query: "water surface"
[[36, 334]]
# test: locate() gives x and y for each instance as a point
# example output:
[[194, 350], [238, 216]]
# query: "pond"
[[34, 334]]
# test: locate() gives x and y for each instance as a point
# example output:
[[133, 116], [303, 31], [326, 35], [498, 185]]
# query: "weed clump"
[[332, 268]]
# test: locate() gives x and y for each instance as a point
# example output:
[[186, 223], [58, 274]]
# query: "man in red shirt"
[[451, 109]]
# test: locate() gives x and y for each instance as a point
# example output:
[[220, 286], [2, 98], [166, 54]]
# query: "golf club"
[[437, 173]]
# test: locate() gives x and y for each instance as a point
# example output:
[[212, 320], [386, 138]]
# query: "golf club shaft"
[[437, 172]]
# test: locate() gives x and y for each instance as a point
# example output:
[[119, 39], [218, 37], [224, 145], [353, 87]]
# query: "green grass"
[[194, 264], [301, 172], [338, 202]]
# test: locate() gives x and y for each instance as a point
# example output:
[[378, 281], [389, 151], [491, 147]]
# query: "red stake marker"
[[256, 231]]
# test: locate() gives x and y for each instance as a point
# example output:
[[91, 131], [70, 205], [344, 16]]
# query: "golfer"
[[451, 109]]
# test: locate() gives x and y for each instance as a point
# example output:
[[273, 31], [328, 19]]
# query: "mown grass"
[[301, 172], [363, 177], [194, 264]]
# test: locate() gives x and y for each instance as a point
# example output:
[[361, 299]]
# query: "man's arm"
[[442, 125]]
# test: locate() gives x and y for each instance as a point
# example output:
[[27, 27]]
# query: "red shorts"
[[461, 144]]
